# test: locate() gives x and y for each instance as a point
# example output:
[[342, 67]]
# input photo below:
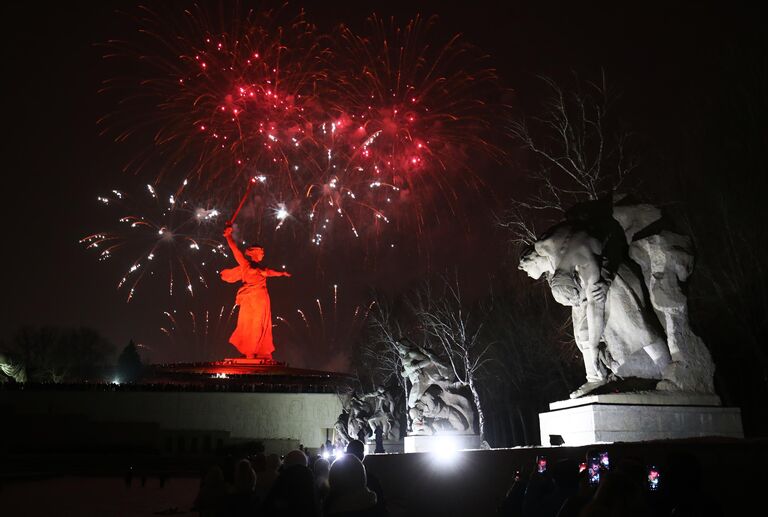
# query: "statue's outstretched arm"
[[274, 272], [239, 257]]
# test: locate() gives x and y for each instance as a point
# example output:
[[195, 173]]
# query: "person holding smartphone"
[[540, 489], [541, 464], [512, 505], [587, 486]]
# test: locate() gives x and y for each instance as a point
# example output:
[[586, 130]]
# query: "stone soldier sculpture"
[[603, 261], [437, 399]]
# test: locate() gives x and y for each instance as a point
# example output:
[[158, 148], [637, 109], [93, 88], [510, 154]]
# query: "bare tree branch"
[[578, 153]]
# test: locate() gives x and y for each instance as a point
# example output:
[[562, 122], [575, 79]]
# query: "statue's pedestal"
[[441, 442], [389, 446], [637, 417], [252, 361]]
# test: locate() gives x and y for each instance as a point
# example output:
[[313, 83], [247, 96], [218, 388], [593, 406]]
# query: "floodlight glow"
[[326, 455], [445, 448], [338, 453]]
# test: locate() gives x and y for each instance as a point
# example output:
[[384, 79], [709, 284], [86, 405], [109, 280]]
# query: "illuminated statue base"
[[390, 446], [441, 443], [637, 417], [261, 372], [252, 361]]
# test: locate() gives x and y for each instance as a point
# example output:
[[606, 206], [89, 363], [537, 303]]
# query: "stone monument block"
[[442, 443], [637, 417]]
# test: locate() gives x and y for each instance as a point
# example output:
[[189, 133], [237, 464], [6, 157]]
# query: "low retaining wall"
[[158, 416]]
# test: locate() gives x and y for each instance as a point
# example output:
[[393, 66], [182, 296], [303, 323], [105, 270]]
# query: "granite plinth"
[[642, 398], [637, 417], [441, 442], [390, 446], [252, 361]]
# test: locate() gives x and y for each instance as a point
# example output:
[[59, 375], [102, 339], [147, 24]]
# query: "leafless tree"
[[457, 331], [379, 352], [578, 152]]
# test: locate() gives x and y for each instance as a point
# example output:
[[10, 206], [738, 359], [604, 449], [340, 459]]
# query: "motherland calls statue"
[[253, 334], [437, 400], [620, 271]]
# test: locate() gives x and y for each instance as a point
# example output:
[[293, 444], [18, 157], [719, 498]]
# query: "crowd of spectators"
[[299, 483], [628, 489], [338, 484]]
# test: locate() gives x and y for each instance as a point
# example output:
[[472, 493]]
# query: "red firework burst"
[[348, 131], [422, 111], [230, 96]]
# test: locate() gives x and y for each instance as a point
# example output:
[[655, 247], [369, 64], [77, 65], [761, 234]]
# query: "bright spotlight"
[[445, 448], [338, 453], [326, 455]]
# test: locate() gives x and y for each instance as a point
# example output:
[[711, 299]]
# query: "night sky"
[[662, 57]]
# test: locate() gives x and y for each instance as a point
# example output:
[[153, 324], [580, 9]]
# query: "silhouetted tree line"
[[70, 355], [129, 364], [52, 354]]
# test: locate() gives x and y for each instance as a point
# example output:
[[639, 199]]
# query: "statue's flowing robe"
[[253, 335]]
